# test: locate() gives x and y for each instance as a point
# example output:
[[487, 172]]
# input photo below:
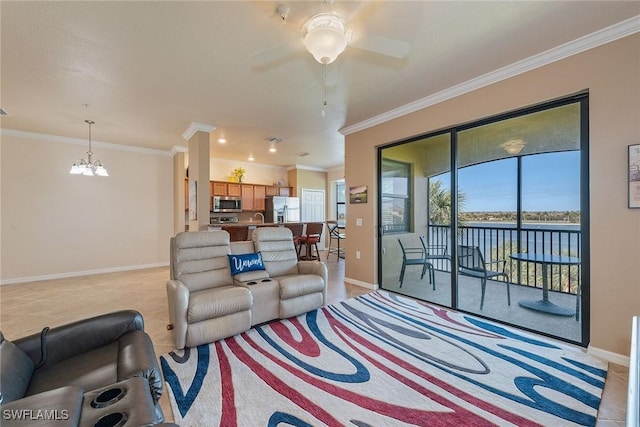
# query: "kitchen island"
[[250, 226]]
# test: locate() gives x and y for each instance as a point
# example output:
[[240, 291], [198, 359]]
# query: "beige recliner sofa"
[[206, 303]]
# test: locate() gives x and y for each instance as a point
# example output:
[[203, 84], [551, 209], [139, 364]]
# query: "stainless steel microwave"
[[224, 204]]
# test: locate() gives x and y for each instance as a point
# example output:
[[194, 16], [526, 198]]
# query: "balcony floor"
[[495, 301]]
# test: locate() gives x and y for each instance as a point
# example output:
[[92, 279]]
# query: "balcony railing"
[[497, 242]]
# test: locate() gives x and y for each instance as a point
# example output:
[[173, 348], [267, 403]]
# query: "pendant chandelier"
[[88, 166]]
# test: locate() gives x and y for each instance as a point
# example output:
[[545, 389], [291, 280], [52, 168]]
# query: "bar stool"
[[311, 239], [335, 234], [296, 230]]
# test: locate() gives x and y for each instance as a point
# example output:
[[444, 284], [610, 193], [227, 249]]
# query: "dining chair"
[[471, 263], [416, 256], [335, 234]]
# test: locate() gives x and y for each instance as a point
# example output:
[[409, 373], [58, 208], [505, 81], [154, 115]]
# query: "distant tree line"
[[572, 217]]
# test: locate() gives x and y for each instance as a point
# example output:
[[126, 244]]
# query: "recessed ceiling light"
[[222, 140], [272, 149], [250, 158]]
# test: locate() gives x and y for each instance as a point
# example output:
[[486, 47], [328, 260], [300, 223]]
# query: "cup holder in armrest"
[[115, 419], [108, 397], [252, 283], [265, 280]]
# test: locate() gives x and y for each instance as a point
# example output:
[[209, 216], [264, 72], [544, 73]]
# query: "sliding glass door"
[[503, 203], [415, 219]]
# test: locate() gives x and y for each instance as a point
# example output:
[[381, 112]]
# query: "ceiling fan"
[[327, 34]]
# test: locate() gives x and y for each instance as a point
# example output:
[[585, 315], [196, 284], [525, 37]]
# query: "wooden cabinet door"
[[285, 191], [272, 191], [219, 188], [247, 197], [259, 192], [234, 189]]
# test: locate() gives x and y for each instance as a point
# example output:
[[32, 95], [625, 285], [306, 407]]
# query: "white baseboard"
[[80, 273], [609, 356], [361, 283]]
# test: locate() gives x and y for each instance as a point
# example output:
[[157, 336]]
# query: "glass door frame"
[[581, 98]]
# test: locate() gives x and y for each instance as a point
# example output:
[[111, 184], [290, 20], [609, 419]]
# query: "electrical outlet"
[[359, 222], [357, 254]]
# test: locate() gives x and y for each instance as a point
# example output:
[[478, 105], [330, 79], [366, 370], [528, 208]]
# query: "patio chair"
[[435, 251], [471, 263], [416, 256]]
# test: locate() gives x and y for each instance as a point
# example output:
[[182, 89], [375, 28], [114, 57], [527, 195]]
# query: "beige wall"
[[54, 223], [309, 179], [611, 74], [220, 170]]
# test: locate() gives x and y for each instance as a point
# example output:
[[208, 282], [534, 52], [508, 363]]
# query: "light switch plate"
[[359, 222]]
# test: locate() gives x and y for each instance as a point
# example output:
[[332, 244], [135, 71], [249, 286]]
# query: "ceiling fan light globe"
[[326, 37]]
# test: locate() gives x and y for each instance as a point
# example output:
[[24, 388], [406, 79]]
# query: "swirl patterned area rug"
[[383, 360]]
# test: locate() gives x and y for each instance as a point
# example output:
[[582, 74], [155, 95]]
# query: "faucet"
[[261, 216]]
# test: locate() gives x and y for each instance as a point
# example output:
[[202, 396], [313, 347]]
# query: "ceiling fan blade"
[[275, 54], [378, 44]]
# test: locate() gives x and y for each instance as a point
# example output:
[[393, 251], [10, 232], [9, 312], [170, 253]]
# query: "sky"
[[550, 182]]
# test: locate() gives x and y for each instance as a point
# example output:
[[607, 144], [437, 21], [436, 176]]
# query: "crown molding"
[[178, 149], [607, 35], [83, 141], [308, 168], [195, 127]]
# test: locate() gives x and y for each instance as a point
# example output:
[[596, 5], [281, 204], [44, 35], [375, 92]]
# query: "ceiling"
[[144, 71]]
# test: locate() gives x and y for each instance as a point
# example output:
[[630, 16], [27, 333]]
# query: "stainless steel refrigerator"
[[282, 209]]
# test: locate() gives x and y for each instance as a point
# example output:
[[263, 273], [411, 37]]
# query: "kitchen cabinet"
[[284, 191], [247, 197], [253, 197], [225, 189], [218, 188], [234, 189], [258, 197], [278, 191]]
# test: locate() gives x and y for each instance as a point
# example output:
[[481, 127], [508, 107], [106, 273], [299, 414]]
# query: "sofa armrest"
[[178, 298], [319, 268], [63, 342], [137, 358], [64, 403]]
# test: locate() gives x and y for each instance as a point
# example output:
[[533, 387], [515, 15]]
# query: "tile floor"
[[26, 308]]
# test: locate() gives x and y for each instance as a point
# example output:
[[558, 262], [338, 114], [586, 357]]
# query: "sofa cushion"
[[298, 285], [16, 369], [243, 263], [217, 302]]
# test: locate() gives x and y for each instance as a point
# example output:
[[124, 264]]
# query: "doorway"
[[313, 207]]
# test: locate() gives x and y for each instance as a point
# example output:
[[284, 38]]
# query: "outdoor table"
[[546, 260]]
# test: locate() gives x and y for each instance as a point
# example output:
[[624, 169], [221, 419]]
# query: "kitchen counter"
[[251, 224]]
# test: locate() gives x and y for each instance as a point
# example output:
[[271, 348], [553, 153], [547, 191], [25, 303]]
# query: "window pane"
[[340, 193], [395, 196], [395, 214]]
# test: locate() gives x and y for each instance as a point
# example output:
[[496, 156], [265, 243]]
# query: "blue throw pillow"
[[245, 262]]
